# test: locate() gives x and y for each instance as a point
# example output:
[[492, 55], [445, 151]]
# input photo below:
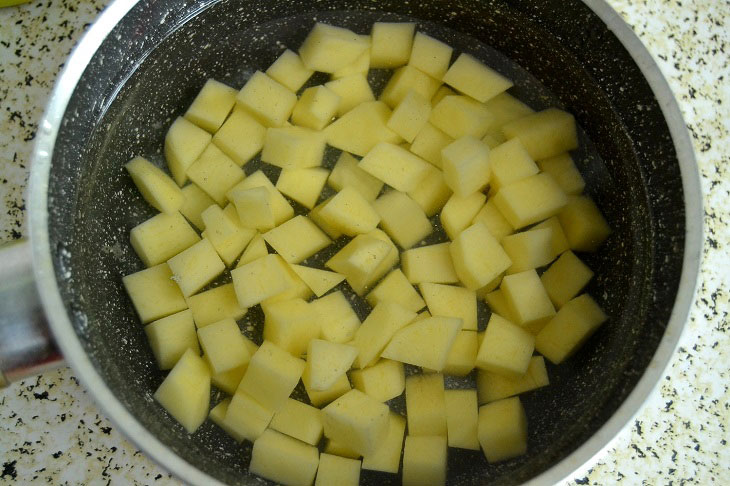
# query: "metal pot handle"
[[26, 343]]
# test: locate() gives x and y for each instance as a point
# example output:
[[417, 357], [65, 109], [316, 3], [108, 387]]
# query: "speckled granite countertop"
[[51, 431]]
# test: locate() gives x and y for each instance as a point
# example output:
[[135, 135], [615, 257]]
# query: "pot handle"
[[26, 343]]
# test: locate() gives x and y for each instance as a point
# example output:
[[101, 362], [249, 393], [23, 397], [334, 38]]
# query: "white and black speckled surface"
[[51, 432]]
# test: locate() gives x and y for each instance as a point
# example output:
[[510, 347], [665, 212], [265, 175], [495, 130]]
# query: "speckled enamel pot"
[[142, 63]]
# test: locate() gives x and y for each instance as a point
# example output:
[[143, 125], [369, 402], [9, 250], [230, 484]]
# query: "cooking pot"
[[142, 62]]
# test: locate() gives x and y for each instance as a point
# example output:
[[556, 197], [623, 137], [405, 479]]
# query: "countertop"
[[51, 432]]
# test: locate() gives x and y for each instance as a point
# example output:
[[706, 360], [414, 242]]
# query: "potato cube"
[[424, 460], [337, 471], [215, 173], [463, 354], [462, 418], [303, 185], [293, 148], [241, 137], [529, 249], [410, 115], [347, 173], [271, 376], [503, 429], [430, 55], [297, 239], [494, 386], [196, 267], [184, 142], [342, 450], [365, 259], [171, 336], [224, 345], [327, 362], [320, 398], [498, 304], [442, 93], [458, 116], [349, 212], [459, 212], [289, 70], [391, 44], [218, 413], [425, 343], [383, 381], [493, 138], [290, 324], [478, 257], [451, 301], [320, 281], [376, 331], [154, 293], [256, 249], [283, 459], [408, 78], [544, 134], [395, 287], [565, 278], [162, 237], [266, 100], [260, 279], [432, 192], [295, 286], [510, 163], [337, 319], [506, 348], [474, 78], [565, 173], [426, 404], [402, 218], [429, 142], [316, 107], [352, 91], [328, 48], [506, 108], [227, 236], [395, 166], [527, 300], [490, 217], [358, 420], [156, 187], [361, 128], [386, 457], [558, 242], [466, 165], [185, 392], [583, 224], [429, 264], [299, 420], [254, 207], [212, 105], [530, 200], [195, 201], [361, 65], [280, 207], [229, 380]]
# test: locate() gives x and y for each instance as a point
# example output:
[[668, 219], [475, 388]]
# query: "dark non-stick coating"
[[150, 68]]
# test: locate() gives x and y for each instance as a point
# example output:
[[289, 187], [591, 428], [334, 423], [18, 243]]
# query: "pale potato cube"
[[315, 215], [432, 192], [474, 78], [583, 224], [327, 362], [289, 70], [297, 239], [395, 287], [426, 404], [527, 300], [299, 420], [429, 142], [429, 264], [229, 380], [402, 218], [408, 78], [430, 55], [506, 108], [338, 321], [424, 460], [466, 165], [395, 166], [493, 386], [463, 354], [154, 293], [162, 237], [565, 173], [451, 301], [558, 242], [478, 257], [293, 148], [357, 420], [510, 163], [218, 413], [544, 134], [530, 200], [328, 48], [290, 324], [458, 116], [296, 288], [185, 392], [361, 128], [196, 267], [320, 398], [493, 139], [490, 217], [352, 91], [347, 173], [215, 173], [498, 304], [442, 93], [503, 429], [386, 457], [212, 105], [280, 207], [410, 116], [184, 142], [377, 329], [342, 450], [195, 201], [574, 323], [462, 418], [361, 65], [391, 44], [506, 348], [241, 137], [271, 376], [365, 259], [266, 99], [316, 107], [383, 381], [254, 207], [337, 471], [459, 212], [227, 236], [283, 459], [565, 278], [320, 281], [171, 336], [223, 345], [426, 342], [350, 213], [156, 187], [256, 249], [529, 249], [260, 279]]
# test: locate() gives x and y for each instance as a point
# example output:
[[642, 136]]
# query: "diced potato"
[[429, 264], [212, 105], [466, 165], [358, 420], [473, 78], [224, 345], [279, 206], [342, 450], [544, 134], [195, 201], [215, 173], [299, 420], [565, 278], [337, 471], [283, 459], [196, 267], [154, 293], [271, 376], [386, 457], [229, 380], [297, 239], [583, 224], [320, 281], [290, 324], [361, 65], [364, 260], [463, 354], [316, 107], [529, 249], [289, 70], [296, 288], [442, 93], [565, 173], [506, 108], [320, 398], [410, 115], [408, 78], [347, 173], [458, 116], [315, 215], [328, 48], [503, 429], [185, 392], [498, 304], [184, 142], [395, 287], [260, 279], [350, 213], [352, 90], [574, 323], [451, 301], [558, 242], [510, 163], [493, 139], [327, 362], [171, 336], [376, 331], [426, 405], [218, 413], [424, 460], [490, 217], [255, 250], [527, 300], [241, 137], [395, 166], [293, 148], [402, 218], [156, 187], [530, 200], [391, 44], [493, 386], [459, 212], [254, 207], [506, 348], [425, 343], [337, 319], [266, 99], [429, 142], [361, 128], [462, 418], [432, 192], [383, 381], [478, 257], [161, 237], [227, 236], [430, 55]]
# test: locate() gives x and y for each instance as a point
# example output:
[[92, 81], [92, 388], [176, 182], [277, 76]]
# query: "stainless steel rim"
[[73, 351]]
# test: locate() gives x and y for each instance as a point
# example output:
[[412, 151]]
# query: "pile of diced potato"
[[445, 145]]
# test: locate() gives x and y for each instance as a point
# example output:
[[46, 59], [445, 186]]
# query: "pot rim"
[[574, 464]]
